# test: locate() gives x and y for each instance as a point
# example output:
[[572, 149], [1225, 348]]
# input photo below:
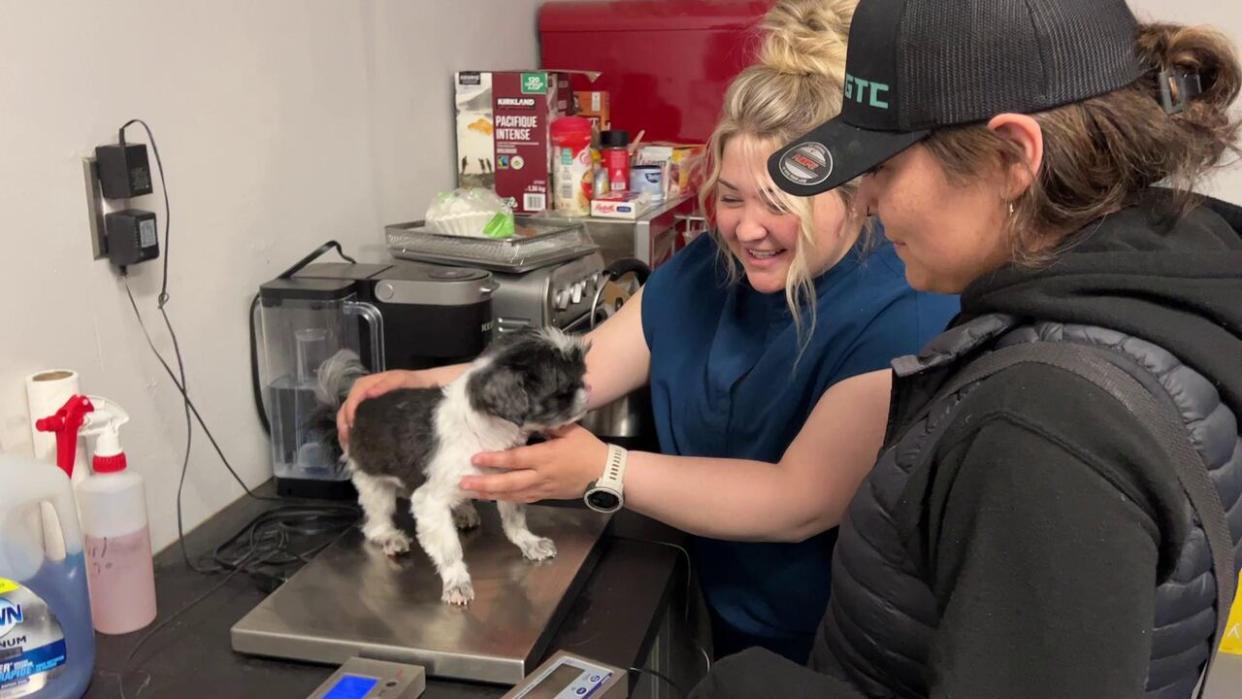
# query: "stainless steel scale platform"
[[353, 600]]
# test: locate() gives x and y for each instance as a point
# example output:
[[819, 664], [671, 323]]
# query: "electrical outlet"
[[95, 208]]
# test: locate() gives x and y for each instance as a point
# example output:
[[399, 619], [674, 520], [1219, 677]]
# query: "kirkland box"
[[502, 132]]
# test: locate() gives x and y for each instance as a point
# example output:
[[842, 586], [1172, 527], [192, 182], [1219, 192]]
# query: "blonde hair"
[[795, 86]]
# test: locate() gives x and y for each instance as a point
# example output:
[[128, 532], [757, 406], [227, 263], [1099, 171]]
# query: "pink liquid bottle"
[[116, 538]]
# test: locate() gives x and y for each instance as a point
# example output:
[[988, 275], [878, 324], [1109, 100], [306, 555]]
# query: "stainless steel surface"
[[539, 242], [94, 202], [352, 600], [651, 238], [432, 285], [546, 296], [625, 417]]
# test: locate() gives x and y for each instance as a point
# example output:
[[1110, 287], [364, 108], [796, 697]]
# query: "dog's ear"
[[510, 339], [500, 391]]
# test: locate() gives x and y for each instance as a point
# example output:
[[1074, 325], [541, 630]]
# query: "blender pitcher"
[[303, 322]]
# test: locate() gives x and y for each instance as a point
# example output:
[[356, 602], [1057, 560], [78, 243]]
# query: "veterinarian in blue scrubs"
[[749, 338]]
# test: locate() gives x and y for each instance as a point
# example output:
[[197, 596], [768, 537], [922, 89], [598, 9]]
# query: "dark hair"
[[1100, 152]]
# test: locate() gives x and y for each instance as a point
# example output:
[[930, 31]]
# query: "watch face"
[[603, 499]]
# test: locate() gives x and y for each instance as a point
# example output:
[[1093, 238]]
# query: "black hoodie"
[[1022, 595]]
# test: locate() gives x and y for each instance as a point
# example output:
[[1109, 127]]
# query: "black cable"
[[255, 390], [707, 658], [129, 659], [163, 297], [659, 675], [265, 538], [271, 534], [193, 408]]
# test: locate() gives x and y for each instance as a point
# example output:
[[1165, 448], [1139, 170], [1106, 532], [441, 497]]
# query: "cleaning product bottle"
[[47, 649], [113, 505]]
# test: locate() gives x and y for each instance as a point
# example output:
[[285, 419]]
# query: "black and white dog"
[[419, 442]]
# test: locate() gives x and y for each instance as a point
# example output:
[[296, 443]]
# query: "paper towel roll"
[[46, 392]]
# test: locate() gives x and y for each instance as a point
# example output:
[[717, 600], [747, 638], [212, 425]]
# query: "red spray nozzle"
[[66, 423]]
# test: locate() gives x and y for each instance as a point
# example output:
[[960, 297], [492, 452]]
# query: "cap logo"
[[807, 164], [866, 92]]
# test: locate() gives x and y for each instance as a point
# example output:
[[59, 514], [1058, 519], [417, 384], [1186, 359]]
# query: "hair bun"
[[807, 37]]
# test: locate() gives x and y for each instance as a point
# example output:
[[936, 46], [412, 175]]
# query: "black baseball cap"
[[916, 65]]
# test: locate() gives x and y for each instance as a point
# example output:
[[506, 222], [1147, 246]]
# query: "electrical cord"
[[681, 691], [265, 548], [163, 297], [707, 658], [129, 659], [283, 538], [334, 515]]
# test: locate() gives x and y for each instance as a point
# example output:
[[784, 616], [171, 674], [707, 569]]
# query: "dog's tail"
[[336, 376]]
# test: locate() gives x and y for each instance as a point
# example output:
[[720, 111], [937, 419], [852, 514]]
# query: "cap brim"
[[834, 154]]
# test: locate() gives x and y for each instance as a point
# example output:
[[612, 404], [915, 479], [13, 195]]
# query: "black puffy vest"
[[882, 614]]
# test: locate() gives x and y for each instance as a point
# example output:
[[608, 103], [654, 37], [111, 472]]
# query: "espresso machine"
[[395, 315]]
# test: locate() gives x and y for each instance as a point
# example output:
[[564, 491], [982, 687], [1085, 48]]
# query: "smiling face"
[[757, 228]]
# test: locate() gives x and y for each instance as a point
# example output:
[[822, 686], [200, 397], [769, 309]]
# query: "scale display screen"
[[351, 687], [567, 681]]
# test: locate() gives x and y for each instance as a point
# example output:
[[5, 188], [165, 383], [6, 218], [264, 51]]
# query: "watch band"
[[605, 495], [614, 468]]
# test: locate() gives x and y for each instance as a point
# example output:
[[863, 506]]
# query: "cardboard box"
[[676, 159], [593, 104], [623, 205], [502, 134], [503, 142]]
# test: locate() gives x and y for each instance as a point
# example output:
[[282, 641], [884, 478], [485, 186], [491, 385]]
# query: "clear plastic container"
[[302, 323], [47, 645], [537, 243]]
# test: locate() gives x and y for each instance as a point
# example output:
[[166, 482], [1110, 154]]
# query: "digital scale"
[[569, 676], [363, 678], [353, 601]]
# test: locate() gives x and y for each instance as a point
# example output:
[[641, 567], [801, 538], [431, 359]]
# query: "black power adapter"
[[124, 172], [131, 237]]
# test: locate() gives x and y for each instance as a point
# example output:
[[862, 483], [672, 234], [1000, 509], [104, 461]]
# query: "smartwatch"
[[606, 494]]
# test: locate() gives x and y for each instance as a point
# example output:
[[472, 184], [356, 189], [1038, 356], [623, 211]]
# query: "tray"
[[537, 244]]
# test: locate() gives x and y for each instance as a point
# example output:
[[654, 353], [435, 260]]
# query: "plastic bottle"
[[113, 505], [571, 174], [47, 649], [616, 158]]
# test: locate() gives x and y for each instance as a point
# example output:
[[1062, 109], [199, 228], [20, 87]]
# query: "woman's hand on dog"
[[371, 386], [559, 469]]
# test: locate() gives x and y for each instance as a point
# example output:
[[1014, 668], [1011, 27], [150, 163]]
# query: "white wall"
[[1226, 16], [281, 124]]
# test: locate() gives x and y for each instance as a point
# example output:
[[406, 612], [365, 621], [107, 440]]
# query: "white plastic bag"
[[470, 212]]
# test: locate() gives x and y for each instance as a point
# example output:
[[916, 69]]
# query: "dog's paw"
[[394, 543], [459, 594], [466, 517], [538, 549]]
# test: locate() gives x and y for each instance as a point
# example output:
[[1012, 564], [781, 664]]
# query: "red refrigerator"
[[664, 63]]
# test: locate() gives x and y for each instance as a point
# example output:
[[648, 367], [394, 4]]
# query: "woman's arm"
[[806, 493], [617, 363]]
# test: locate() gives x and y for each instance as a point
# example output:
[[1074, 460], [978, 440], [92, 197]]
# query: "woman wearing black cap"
[[1056, 513]]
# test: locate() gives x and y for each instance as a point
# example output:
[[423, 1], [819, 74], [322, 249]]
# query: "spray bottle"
[[113, 506]]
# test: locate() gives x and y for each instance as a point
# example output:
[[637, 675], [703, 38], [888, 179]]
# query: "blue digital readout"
[[351, 687]]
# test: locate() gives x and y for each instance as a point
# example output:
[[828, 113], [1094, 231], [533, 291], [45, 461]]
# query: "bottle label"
[[32, 644]]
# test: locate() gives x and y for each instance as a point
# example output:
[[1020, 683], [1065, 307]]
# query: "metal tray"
[[537, 244]]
